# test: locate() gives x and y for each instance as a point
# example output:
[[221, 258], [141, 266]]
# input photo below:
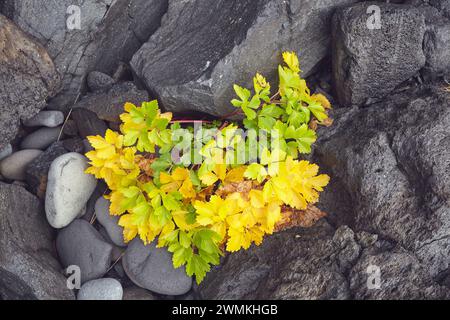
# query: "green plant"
[[242, 186]]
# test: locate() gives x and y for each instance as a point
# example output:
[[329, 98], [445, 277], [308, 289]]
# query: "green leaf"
[[249, 113], [271, 111], [196, 265], [237, 103], [185, 240], [255, 171], [318, 111], [255, 102], [194, 178], [163, 215], [305, 138], [250, 124], [191, 215], [242, 93], [150, 109]]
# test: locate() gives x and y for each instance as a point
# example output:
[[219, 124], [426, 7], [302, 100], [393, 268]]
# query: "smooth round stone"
[[136, 293], [68, 189], [6, 151], [49, 119], [14, 166], [80, 244], [101, 289], [109, 222], [151, 268], [41, 139]]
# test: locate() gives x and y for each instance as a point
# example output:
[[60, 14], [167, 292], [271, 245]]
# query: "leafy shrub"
[[203, 191]]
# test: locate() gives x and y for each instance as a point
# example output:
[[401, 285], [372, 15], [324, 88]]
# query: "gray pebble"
[[49, 119], [14, 166], [109, 222], [81, 245], [101, 289], [41, 139]]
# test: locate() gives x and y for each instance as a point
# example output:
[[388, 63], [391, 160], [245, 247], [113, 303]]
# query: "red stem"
[[189, 121]]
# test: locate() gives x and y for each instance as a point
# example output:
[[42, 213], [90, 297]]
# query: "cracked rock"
[[109, 33], [28, 265], [27, 78], [191, 62], [369, 63], [396, 172]]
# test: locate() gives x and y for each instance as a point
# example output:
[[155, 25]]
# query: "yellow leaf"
[[187, 189], [208, 178], [257, 198], [291, 59], [320, 98], [235, 175]]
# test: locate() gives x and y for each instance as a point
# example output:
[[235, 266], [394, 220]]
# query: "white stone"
[[49, 119], [101, 289], [14, 166], [68, 189]]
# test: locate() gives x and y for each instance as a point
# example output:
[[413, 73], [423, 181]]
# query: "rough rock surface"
[[6, 151], [136, 293], [28, 267], [14, 166], [390, 186], [99, 81], [27, 78], [41, 138], [109, 222], [87, 122], [49, 119], [319, 263], [370, 63], [101, 289], [37, 170], [191, 62], [437, 48], [110, 32], [396, 172], [108, 105]]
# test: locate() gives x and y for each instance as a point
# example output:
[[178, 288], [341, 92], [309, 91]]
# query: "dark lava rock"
[[81, 245], [370, 63], [108, 105], [28, 265], [88, 123], [202, 48], [27, 78], [110, 32], [37, 170]]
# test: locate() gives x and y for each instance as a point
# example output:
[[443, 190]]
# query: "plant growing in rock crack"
[[203, 191]]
